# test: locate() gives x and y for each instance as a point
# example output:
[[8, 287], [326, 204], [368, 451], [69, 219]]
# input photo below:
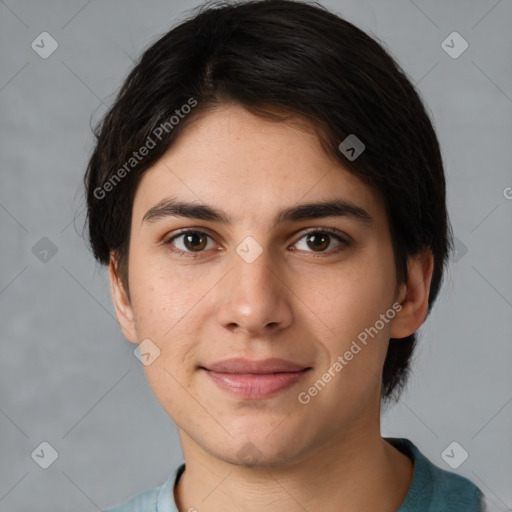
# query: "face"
[[254, 274]]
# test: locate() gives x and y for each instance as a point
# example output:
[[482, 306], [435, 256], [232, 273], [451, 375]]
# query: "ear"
[[122, 304], [413, 295]]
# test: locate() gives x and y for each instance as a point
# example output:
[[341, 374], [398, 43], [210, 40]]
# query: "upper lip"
[[264, 366]]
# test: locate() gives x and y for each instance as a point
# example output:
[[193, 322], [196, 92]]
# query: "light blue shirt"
[[432, 489]]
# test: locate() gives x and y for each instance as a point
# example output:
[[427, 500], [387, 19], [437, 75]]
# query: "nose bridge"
[[253, 269], [254, 296]]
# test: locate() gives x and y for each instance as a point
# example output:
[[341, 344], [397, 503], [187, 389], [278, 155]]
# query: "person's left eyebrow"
[[332, 208]]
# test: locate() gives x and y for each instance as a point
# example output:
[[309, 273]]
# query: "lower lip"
[[255, 386]]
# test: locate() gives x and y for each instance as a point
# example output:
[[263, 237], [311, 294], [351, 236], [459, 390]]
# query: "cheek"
[[170, 386], [352, 297], [163, 304], [351, 304], [166, 304], [161, 297]]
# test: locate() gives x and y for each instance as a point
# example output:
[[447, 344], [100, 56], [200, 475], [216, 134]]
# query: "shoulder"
[[157, 499], [144, 502], [435, 489], [454, 492]]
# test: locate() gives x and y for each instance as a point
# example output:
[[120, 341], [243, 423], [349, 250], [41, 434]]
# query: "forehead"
[[247, 164]]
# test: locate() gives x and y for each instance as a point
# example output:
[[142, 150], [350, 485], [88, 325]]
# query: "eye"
[[193, 242], [319, 240], [190, 241]]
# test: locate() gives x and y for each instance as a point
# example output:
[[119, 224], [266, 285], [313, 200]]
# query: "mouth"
[[252, 380]]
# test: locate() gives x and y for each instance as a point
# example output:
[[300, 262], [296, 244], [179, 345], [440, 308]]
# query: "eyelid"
[[332, 231], [167, 240], [185, 231], [341, 237]]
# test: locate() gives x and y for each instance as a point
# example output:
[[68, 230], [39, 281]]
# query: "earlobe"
[[122, 304], [413, 295]]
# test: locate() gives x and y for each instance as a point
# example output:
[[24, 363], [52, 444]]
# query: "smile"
[[255, 379], [252, 386]]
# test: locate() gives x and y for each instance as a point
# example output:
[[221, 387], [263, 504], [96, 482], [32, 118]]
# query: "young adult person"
[[268, 193]]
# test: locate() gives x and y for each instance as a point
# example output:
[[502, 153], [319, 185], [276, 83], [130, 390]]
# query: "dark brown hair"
[[274, 57]]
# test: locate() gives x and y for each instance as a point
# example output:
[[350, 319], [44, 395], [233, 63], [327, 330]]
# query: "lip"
[[253, 380], [264, 366]]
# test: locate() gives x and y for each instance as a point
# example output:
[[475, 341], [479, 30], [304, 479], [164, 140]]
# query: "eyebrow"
[[170, 207]]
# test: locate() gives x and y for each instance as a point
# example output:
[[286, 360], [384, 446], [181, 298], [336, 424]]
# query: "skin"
[[294, 301]]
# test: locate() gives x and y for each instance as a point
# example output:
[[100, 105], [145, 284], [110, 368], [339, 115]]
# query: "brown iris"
[[194, 241], [318, 241]]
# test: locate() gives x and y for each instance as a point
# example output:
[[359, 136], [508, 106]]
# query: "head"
[[239, 112]]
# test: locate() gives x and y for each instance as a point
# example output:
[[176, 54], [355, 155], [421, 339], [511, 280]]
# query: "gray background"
[[67, 375]]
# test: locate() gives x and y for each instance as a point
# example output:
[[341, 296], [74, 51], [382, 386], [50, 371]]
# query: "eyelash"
[[330, 231]]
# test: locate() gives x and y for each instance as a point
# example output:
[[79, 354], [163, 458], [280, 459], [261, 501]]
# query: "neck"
[[356, 472]]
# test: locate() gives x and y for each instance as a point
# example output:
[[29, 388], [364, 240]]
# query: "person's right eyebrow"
[[338, 207], [172, 208]]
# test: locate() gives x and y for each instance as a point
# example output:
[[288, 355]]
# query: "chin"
[[257, 452]]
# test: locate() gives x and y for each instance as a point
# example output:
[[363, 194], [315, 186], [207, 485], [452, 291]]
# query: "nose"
[[254, 297]]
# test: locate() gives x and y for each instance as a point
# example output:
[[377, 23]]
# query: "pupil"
[[318, 241], [192, 241]]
